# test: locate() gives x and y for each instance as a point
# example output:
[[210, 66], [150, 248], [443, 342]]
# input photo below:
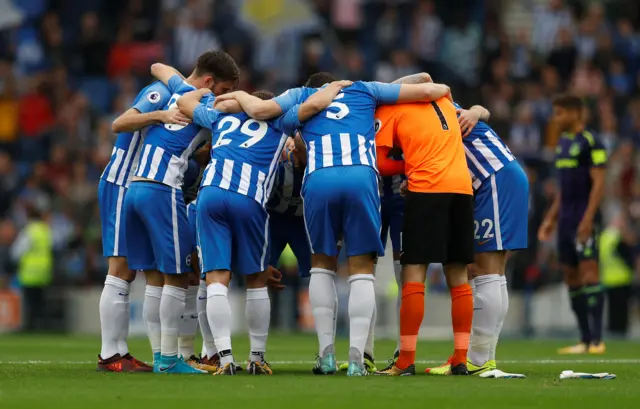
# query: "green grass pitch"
[[43, 371]]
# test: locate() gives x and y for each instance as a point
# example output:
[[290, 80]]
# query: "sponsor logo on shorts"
[[483, 242]]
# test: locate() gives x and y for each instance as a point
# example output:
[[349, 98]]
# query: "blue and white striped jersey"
[[486, 153], [167, 147], [126, 151], [343, 134], [285, 197], [246, 151], [390, 185]]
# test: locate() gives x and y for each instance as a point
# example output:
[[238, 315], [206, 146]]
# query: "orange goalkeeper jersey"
[[430, 138]]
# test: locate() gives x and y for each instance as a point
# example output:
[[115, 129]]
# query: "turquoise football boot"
[[325, 365], [177, 365], [156, 361], [356, 370]]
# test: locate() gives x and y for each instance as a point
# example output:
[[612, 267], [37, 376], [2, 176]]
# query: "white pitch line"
[[516, 361]]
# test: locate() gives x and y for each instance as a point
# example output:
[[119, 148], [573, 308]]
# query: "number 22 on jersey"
[[248, 128]]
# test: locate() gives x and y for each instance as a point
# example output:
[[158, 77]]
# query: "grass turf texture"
[[43, 371]]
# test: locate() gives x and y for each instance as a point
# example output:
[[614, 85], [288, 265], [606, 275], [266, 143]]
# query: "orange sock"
[[411, 314], [461, 317]]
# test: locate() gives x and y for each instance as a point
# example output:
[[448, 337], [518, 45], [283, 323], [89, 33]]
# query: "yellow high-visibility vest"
[[614, 272], [36, 265]]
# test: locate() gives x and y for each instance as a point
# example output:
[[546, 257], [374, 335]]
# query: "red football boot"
[[115, 364], [139, 365]]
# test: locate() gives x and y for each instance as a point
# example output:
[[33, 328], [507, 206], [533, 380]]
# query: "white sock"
[[208, 343], [323, 299], [504, 290], [123, 346], [171, 309], [362, 303], [487, 308], [397, 272], [219, 315], [151, 315], [188, 324], [258, 314], [113, 311], [368, 347]]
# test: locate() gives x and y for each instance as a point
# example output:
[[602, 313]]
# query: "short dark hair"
[[264, 95], [219, 64], [319, 79], [568, 101]]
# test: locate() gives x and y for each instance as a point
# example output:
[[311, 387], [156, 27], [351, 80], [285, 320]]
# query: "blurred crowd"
[[69, 67]]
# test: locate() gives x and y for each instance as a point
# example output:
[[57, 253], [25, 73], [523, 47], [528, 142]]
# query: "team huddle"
[[317, 168]]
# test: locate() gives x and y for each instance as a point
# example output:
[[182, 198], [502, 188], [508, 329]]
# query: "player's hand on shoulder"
[[342, 84], [174, 116], [468, 120], [226, 97]]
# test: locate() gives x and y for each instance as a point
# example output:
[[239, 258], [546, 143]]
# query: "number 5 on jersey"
[[343, 109]]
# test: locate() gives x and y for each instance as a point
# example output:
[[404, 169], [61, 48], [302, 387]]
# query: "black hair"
[[319, 79]]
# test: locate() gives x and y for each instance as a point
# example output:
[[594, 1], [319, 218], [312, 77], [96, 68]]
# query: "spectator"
[[92, 47], [32, 253], [525, 138], [192, 35], [461, 43], [547, 21], [426, 33], [564, 54], [9, 108]]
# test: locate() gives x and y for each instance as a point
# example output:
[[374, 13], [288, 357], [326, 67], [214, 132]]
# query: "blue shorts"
[[157, 229], [343, 201], [288, 229], [392, 218], [501, 211], [233, 232], [111, 204]]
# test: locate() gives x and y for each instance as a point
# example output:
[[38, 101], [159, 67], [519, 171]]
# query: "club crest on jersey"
[[153, 97], [377, 125]]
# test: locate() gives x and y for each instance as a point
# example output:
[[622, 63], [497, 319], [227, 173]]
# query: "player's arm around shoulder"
[[254, 107], [426, 92], [198, 105], [147, 111], [164, 72]]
